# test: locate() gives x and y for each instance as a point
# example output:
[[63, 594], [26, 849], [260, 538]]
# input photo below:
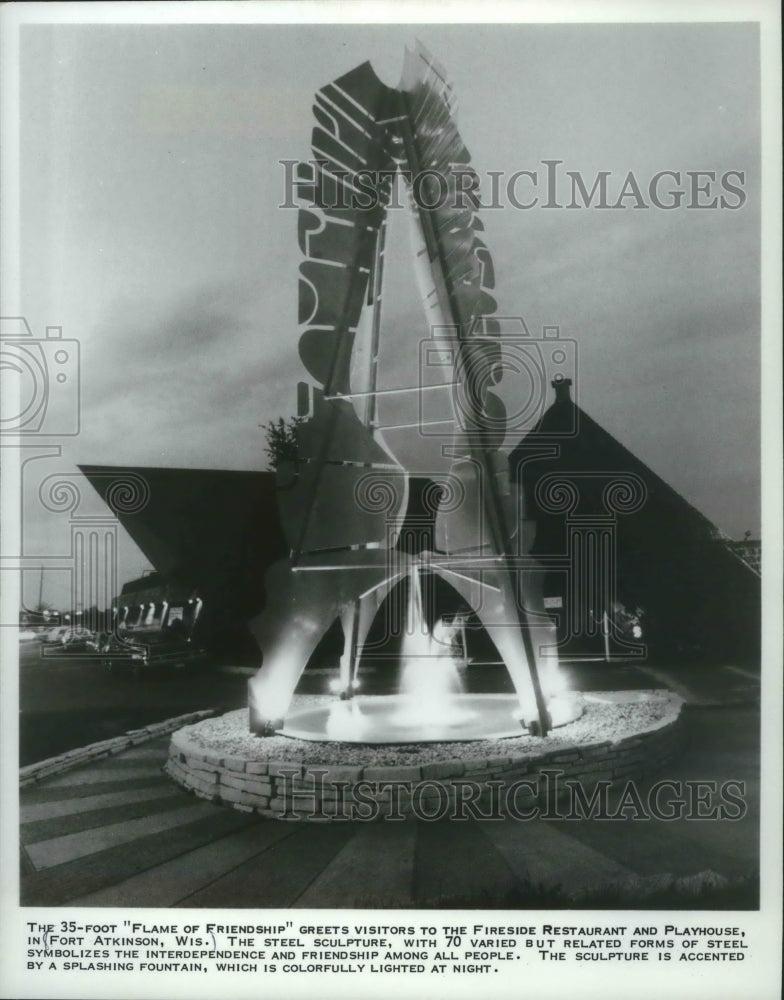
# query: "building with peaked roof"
[[619, 544], [210, 534]]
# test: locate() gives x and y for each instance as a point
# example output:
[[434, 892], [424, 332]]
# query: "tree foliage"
[[281, 437]]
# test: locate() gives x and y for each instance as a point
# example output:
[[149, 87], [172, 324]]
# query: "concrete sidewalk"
[[117, 832]]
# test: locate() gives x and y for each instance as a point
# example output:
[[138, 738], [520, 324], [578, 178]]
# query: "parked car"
[[71, 639], [27, 635], [629, 623], [76, 638], [55, 634], [148, 649]]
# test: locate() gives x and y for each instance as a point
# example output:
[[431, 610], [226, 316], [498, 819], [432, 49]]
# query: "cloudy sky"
[[151, 229]]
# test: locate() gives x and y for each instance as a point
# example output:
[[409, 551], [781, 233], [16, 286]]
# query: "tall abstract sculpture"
[[343, 501]]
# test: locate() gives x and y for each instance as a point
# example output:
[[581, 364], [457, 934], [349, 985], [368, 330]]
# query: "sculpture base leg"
[[542, 727], [266, 727], [257, 723]]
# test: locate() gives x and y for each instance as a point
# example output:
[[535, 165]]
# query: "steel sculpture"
[[343, 500]]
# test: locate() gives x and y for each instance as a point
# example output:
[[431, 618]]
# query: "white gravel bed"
[[612, 717]]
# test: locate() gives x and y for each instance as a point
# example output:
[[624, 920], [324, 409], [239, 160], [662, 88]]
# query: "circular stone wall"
[[620, 735]]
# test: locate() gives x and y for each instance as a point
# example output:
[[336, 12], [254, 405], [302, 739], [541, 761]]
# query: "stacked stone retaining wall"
[[313, 791]]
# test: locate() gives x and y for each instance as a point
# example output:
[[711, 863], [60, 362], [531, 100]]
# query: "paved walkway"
[[117, 832]]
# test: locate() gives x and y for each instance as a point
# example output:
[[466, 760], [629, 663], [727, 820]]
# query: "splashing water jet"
[[430, 683]]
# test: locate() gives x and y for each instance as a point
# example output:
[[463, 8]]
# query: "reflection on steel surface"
[[319, 508], [344, 499]]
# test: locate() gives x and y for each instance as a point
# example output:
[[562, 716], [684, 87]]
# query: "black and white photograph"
[[391, 479]]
